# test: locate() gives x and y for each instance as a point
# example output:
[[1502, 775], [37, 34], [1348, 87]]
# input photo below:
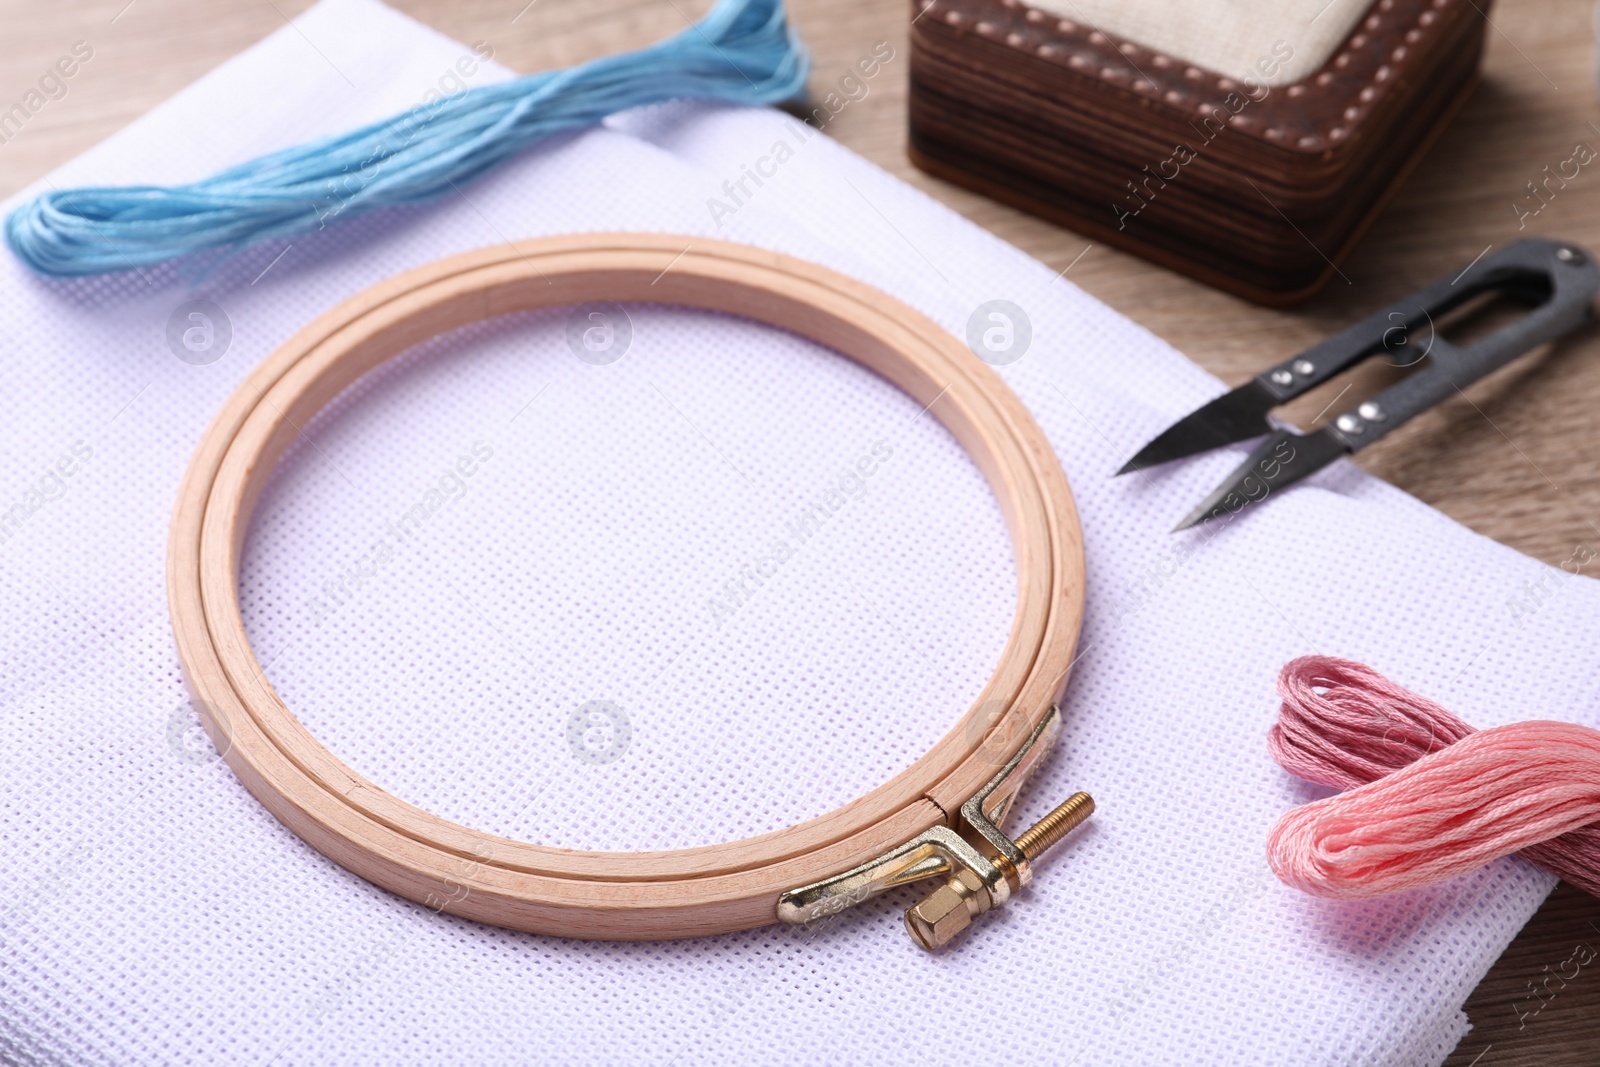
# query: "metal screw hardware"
[[978, 865], [947, 911], [1569, 255], [1349, 424], [941, 915], [1282, 377], [1372, 412], [1304, 367], [1037, 839]]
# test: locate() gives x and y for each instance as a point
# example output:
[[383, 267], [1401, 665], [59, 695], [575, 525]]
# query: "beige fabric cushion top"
[[1265, 41]]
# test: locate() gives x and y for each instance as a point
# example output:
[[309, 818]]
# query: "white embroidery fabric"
[[585, 531]]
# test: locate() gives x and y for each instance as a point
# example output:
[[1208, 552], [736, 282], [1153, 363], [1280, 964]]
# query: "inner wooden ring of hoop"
[[610, 895]]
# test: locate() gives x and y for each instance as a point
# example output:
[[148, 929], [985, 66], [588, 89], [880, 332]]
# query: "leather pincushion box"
[[1245, 142]]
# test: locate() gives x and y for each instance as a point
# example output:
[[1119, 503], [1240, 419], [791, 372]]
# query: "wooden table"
[[1507, 461]]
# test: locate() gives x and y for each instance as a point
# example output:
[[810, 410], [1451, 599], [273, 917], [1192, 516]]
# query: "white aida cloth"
[[151, 912]]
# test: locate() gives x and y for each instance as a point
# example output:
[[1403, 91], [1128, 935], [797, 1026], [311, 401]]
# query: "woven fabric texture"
[[1267, 42], [151, 912]]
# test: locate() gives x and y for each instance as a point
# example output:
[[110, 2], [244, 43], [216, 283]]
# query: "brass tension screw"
[[950, 909]]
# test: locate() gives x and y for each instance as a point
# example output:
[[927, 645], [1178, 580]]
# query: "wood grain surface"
[[1512, 459]]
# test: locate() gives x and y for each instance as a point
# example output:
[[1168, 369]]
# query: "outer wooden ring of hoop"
[[610, 895]]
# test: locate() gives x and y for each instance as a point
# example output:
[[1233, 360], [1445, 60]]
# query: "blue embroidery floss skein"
[[742, 51]]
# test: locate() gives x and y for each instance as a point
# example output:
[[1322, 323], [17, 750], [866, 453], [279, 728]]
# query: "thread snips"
[[1556, 280]]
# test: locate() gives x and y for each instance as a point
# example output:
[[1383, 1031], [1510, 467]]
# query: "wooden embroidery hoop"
[[609, 895]]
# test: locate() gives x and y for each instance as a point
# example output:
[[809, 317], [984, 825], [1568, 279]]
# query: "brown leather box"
[[1255, 187]]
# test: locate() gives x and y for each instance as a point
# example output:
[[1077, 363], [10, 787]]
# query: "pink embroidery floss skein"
[[1429, 797]]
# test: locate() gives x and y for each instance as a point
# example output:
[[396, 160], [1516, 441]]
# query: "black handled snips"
[[1555, 279]]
